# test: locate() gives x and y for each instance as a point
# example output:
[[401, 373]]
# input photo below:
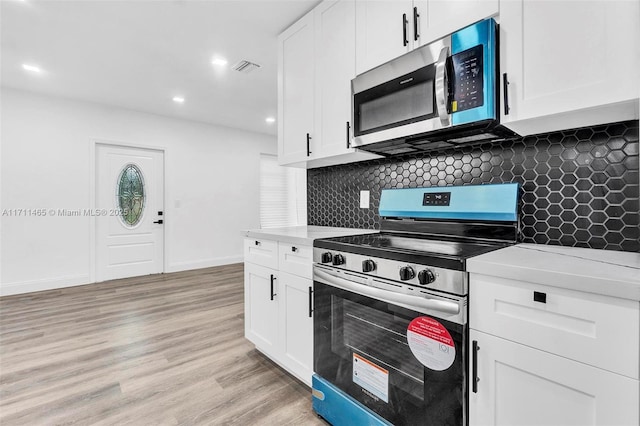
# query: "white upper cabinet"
[[388, 29], [568, 63], [316, 65], [335, 67], [438, 18], [380, 32], [296, 57]]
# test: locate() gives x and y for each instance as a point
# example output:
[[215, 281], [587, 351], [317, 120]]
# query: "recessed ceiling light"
[[270, 120], [178, 99], [32, 68], [218, 61]]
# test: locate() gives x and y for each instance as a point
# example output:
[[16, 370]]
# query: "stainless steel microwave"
[[437, 96]]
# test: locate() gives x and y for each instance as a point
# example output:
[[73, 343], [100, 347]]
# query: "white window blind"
[[283, 194]]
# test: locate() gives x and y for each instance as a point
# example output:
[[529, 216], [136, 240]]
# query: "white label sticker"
[[371, 377], [431, 343]]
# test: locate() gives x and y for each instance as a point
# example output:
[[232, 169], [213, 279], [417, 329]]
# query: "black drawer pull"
[[404, 29], [505, 93], [258, 243], [539, 297], [474, 366], [294, 249], [416, 15], [272, 279]]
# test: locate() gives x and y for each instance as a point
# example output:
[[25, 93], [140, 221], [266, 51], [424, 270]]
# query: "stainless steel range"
[[390, 309]]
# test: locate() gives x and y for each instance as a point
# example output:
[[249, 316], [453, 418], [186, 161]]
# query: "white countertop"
[[610, 273], [304, 234]]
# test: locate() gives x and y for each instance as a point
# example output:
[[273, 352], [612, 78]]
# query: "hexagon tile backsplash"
[[579, 187]]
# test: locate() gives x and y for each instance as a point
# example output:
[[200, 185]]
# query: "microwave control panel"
[[467, 79]]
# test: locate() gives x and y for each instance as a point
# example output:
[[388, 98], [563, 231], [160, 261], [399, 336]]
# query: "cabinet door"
[[439, 18], [521, 385], [335, 67], [295, 90], [296, 325], [261, 307], [565, 58], [379, 35]]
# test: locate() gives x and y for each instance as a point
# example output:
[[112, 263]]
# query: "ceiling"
[[139, 54]]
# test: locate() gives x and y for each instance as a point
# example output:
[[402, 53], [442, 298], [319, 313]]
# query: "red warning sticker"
[[431, 343]]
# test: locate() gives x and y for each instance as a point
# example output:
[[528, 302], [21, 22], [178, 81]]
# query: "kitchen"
[[576, 166]]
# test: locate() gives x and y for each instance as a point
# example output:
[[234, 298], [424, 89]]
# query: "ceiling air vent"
[[245, 66]]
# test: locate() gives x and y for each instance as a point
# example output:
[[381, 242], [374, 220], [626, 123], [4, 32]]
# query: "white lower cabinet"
[[296, 325], [277, 307], [261, 307], [546, 355], [519, 385]]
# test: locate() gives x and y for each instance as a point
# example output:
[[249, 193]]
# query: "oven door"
[[403, 361]]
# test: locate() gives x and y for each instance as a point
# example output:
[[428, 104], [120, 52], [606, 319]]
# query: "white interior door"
[[129, 212]]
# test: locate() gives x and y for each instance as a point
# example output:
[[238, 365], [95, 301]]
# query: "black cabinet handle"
[[159, 222], [505, 93], [416, 15], [474, 367], [308, 144], [258, 243], [539, 297], [404, 29], [272, 279], [294, 249], [310, 302], [348, 138]]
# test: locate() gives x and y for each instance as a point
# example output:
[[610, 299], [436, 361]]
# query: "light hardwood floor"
[[157, 350]]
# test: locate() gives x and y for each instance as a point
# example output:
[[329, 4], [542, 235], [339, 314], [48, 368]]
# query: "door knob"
[[160, 222]]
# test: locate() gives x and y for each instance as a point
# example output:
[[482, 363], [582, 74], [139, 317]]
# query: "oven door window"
[[360, 345], [404, 100]]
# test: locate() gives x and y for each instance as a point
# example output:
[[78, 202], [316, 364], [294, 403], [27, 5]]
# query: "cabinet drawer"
[[596, 330], [295, 259], [261, 252]]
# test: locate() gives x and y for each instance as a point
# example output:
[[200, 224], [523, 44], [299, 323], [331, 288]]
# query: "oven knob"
[[407, 273], [368, 265], [327, 257], [426, 276], [338, 259]]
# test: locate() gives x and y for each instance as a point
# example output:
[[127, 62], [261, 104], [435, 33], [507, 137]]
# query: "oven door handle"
[[388, 296]]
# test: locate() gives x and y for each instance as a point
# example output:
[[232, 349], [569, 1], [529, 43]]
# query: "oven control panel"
[[424, 276]]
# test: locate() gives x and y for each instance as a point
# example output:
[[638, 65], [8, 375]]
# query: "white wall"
[[211, 178]]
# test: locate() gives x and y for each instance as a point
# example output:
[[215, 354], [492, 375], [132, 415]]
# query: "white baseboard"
[[8, 289], [204, 263]]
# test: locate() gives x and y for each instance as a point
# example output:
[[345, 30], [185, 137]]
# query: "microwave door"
[[402, 101]]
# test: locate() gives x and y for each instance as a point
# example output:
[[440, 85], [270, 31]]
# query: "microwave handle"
[[442, 87], [348, 135]]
